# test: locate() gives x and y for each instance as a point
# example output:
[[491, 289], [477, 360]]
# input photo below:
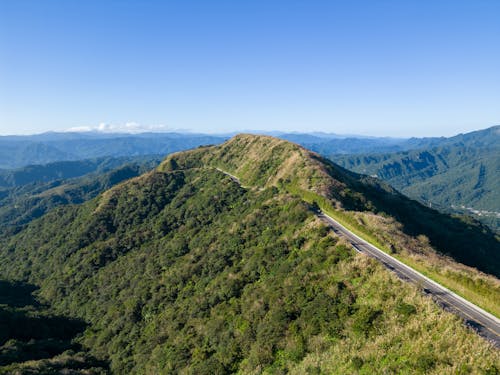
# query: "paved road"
[[231, 176], [481, 321]]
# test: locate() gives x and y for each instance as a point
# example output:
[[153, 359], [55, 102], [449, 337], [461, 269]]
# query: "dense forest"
[[30, 192], [185, 270], [31, 333], [460, 174]]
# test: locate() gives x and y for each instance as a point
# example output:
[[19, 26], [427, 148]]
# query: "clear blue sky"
[[374, 67]]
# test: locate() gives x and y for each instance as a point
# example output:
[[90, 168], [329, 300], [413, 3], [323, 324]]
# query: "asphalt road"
[[231, 176], [484, 323]]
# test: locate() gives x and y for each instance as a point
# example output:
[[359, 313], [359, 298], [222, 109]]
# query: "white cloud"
[[128, 127], [79, 129]]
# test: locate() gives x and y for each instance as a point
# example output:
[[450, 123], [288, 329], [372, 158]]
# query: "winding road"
[[484, 323]]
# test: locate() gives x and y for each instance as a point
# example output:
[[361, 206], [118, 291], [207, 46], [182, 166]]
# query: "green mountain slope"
[[38, 174], [182, 270], [266, 161], [30, 333], [40, 188], [462, 174]]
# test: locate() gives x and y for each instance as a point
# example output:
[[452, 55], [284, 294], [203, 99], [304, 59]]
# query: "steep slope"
[[183, 270], [461, 174], [266, 161], [45, 173], [39, 188]]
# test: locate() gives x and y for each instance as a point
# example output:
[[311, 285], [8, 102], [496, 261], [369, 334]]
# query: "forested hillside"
[[461, 174], [44, 173], [184, 270], [37, 340], [267, 161], [39, 188]]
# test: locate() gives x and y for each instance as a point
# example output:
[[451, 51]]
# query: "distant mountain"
[[19, 151], [460, 174], [17, 154], [331, 146], [216, 263], [61, 170], [28, 193]]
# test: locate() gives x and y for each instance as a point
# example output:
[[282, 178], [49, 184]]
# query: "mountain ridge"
[[346, 190], [182, 270]]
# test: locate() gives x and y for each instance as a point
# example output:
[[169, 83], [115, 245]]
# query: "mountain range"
[[456, 175], [459, 174], [20, 151], [215, 262]]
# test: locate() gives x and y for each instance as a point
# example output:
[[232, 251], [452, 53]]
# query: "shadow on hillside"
[[462, 238], [28, 331], [17, 294]]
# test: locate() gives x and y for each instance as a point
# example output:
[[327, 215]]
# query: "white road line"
[[455, 300]]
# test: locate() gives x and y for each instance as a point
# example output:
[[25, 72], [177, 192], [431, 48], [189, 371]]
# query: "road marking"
[[460, 305]]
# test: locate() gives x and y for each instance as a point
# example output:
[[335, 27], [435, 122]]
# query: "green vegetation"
[[38, 189], [266, 161], [40, 174], [182, 270], [412, 232], [33, 340], [483, 290], [461, 174]]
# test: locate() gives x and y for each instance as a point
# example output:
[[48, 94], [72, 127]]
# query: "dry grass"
[[398, 346], [480, 288]]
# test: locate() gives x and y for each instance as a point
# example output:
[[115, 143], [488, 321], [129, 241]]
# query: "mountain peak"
[[367, 203], [259, 161]]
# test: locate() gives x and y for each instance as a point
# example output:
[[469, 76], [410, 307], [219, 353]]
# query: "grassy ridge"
[[267, 161]]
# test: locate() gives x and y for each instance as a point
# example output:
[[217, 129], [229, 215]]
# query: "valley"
[[458, 175]]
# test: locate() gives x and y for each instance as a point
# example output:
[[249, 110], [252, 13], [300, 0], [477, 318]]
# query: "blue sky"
[[375, 67]]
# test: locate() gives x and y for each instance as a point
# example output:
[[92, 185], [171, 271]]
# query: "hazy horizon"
[[122, 131]]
